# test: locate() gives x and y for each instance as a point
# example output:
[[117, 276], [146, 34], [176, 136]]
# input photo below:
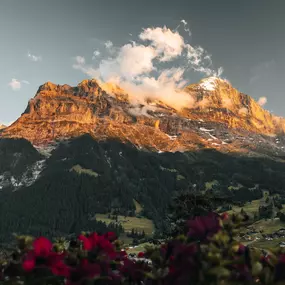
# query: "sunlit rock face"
[[222, 118]]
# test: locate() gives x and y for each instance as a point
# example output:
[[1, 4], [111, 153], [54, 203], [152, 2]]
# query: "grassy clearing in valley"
[[130, 223], [249, 208]]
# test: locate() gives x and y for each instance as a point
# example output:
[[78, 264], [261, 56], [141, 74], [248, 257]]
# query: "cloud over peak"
[[146, 68]]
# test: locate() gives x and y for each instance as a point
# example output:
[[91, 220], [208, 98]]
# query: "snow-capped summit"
[[211, 83]]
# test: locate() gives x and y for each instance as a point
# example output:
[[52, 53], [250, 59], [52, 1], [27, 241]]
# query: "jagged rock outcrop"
[[222, 118], [219, 101]]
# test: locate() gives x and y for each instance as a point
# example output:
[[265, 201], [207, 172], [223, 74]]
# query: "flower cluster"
[[208, 254]]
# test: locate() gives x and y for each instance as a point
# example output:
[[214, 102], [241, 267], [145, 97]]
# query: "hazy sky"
[[40, 39]]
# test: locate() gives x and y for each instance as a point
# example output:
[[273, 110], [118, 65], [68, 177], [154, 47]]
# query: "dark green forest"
[[63, 202]]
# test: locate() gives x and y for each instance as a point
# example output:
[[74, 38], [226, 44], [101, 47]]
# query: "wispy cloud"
[[35, 58], [137, 66], [186, 27], [16, 84]]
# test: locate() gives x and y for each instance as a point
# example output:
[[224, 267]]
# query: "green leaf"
[[219, 271]]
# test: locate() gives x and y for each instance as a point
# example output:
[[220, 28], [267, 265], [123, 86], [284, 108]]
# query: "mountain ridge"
[[221, 118]]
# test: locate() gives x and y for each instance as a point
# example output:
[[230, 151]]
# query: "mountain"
[[2, 126], [221, 118], [78, 151]]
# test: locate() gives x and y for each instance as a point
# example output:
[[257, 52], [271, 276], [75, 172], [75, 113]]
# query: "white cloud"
[[186, 28], [15, 84], [34, 58], [137, 66], [80, 59], [108, 44], [164, 88], [96, 53], [132, 60], [167, 44], [262, 101]]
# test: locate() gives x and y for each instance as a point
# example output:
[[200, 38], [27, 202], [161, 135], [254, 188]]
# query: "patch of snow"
[[206, 130], [172, 137], [224, 142], [108, 159], [46, 150], [209, 140], [213, 137], [209, 84], [215, 144], [27, 178]]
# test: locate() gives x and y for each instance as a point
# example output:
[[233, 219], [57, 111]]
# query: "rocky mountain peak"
[[220, 114]]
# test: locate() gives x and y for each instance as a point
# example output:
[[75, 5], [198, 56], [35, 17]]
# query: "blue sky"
[[42, 39]]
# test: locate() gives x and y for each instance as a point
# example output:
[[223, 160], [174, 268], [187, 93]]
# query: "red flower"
[[94, 239], [204, 226], [42, 256], [225, 216], [110, 236], [134, 271], [83, 271], [56, 263], [141, 255], [28, 264], [42, 246], [89, 242], [86, 242], [105, 245]]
